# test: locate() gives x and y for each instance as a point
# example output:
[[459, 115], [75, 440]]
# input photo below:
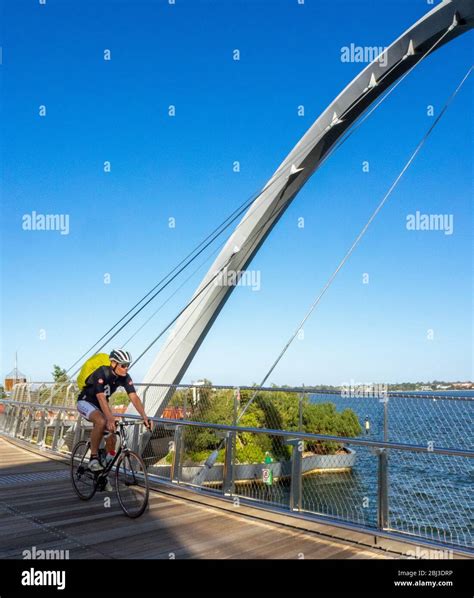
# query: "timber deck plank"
[[45, 512]]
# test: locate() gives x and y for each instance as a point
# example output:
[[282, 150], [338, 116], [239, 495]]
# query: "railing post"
[[68, 390], [3, 420], [177, 455], [52, 395], [382, 489], [12, 420], [18, 421], [300, 412], [25, 422], [383, 520], [296, 474], [143, 435], [143, 397], [77, 430], [228, 487], [41, 430], [57, 426], [136, 439], [31, 425], [9, 418]]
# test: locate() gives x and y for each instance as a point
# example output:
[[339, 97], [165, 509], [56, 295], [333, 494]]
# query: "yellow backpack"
[[90, 366]]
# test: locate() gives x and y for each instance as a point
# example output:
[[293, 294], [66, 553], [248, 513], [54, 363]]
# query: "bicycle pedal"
[[101, 482]]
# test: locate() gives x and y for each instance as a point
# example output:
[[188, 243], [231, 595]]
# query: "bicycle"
[[131, 479]]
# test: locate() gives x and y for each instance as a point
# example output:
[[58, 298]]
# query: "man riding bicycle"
[[93, 402]]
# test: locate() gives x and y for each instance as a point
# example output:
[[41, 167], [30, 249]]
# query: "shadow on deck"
[[38, 508]]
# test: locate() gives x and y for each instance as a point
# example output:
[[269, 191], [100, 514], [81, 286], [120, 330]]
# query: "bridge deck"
[[38, 508]]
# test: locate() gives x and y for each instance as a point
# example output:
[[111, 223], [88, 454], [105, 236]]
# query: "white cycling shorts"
[[86, 409]]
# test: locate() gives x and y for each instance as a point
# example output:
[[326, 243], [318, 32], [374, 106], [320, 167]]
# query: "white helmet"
[[120, 356]]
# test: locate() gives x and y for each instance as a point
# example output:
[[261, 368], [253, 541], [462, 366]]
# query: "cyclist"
[[93, 402]]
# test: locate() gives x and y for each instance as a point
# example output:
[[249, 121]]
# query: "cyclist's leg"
[[98, 419], [110, 443], [94, 415]]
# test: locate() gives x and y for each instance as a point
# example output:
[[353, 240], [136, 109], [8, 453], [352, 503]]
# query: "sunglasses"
[[125, 366]]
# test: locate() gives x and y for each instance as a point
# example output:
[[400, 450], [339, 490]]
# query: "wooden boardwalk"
[[38, 508]]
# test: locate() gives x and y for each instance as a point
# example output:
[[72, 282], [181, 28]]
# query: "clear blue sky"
[[181, 167]]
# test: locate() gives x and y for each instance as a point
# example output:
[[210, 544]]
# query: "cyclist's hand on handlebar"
[[147, 423], [111, 423]]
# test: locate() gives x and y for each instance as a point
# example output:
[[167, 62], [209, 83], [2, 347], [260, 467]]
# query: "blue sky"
[[54, 301]]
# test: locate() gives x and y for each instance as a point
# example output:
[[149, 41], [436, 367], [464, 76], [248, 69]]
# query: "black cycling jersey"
[[103, 380]]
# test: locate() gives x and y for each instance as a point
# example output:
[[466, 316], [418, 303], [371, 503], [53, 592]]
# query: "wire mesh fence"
[[280, 448], [340, 490], [431, 496]]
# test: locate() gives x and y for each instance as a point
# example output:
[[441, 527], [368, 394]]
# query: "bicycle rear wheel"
[[83, 480], [131, 484]]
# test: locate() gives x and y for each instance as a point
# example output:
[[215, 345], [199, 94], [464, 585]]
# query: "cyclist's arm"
[[104, 405], [136, 402], [135, 399]]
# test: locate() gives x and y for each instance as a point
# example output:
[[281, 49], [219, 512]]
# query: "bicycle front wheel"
[[83, 480], [131, 483]]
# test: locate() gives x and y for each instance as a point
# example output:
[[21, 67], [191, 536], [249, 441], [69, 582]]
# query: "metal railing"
[[410, 473]]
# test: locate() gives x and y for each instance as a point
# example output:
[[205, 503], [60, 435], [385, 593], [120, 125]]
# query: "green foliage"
[[249, 453], [201, 456], [59, 374], [323, 418], [277, 410], [119, 398], [58, 393]]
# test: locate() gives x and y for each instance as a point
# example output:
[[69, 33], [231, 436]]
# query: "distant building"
[[14, 377], [463, 385], [173, 413]]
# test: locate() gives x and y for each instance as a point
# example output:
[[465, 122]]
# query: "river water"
[[429, 495]]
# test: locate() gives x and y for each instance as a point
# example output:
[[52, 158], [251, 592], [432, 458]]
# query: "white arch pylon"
[[442, 24]]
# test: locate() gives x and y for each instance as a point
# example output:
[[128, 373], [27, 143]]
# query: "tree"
[[272, 410], [59, 374]]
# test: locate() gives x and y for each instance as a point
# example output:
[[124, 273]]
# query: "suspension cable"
[[361, 234], [234, 215], [337, 145]]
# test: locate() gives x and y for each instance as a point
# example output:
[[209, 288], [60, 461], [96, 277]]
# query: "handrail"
[[367, 394], [273, 432]]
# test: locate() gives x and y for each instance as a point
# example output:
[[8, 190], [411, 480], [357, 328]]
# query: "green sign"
[[267, 476], [267, 473]]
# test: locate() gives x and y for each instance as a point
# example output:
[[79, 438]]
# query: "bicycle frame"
[[123, 448]]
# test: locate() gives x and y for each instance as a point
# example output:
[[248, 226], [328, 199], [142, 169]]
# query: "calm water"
[[430, 495]]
